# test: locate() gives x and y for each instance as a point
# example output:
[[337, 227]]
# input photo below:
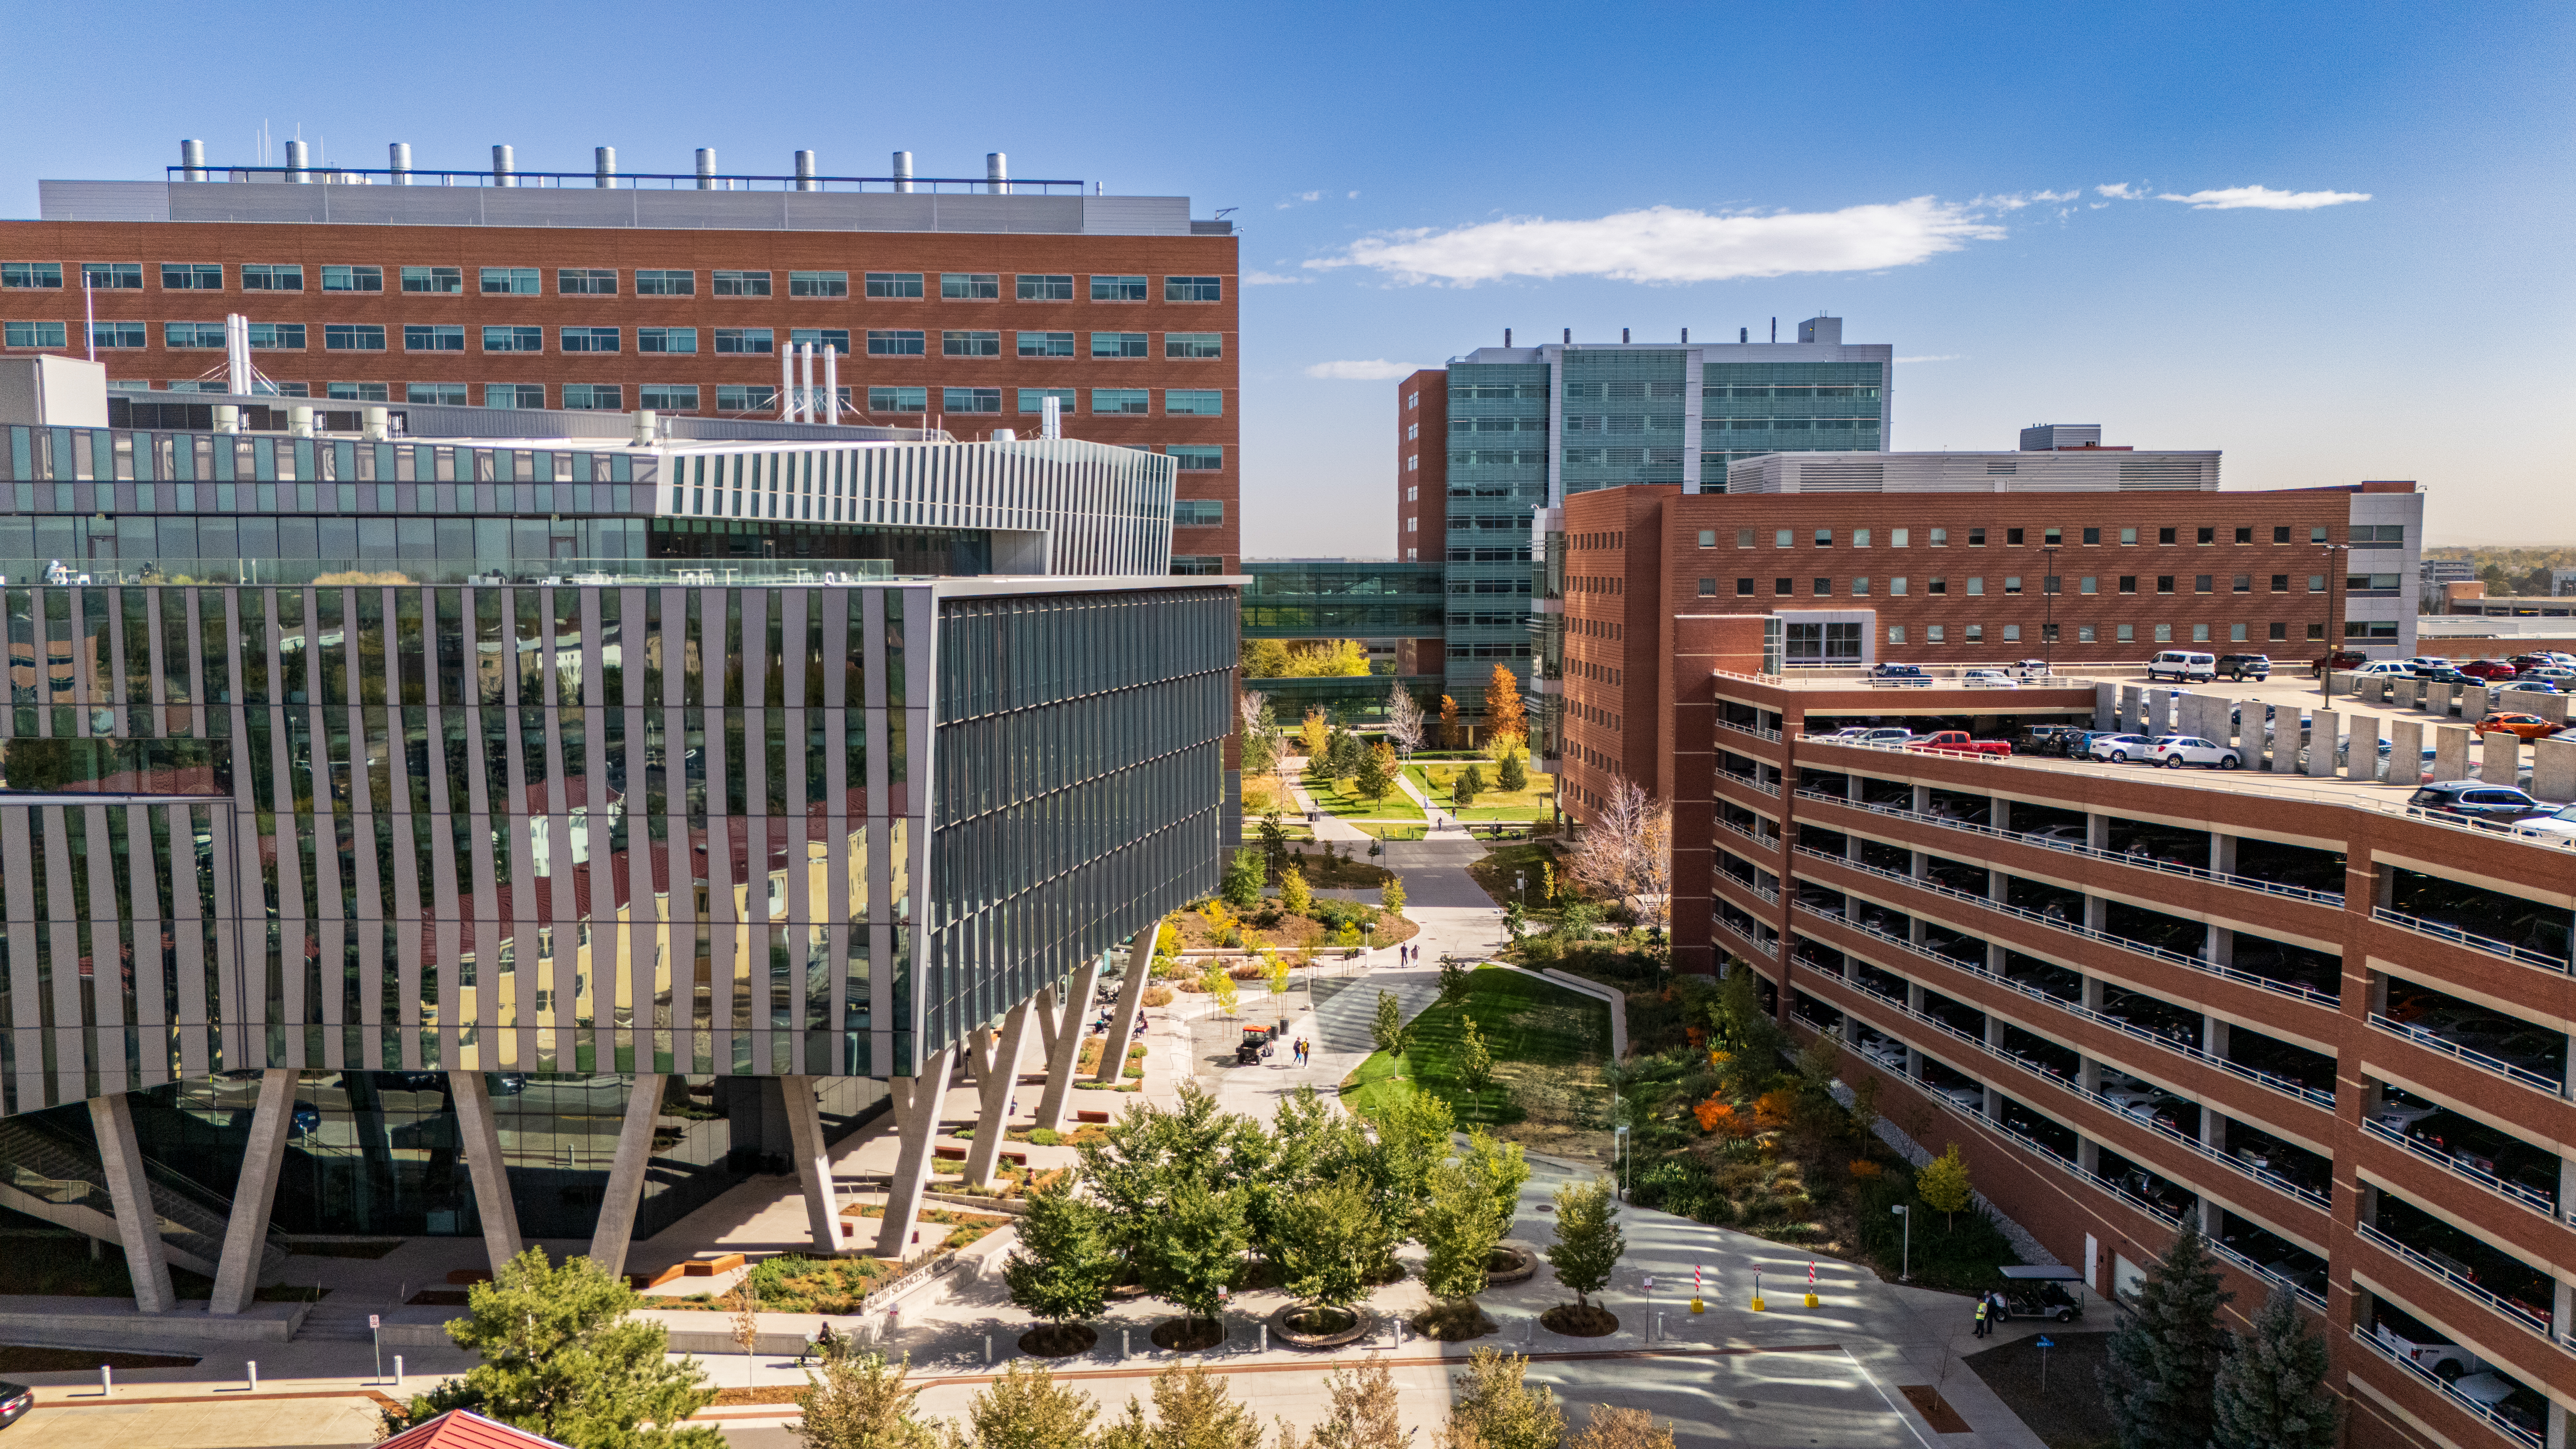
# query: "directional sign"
[[2047, 1343], [375, 1321]]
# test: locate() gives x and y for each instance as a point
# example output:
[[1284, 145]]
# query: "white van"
[[2183, 666]]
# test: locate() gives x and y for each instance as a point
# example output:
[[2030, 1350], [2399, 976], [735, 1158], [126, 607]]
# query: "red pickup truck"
[[1957, 742]]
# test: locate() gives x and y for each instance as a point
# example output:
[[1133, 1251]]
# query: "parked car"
[[2561, 821], [1988, 679], [15, 1401], [2445, 676], [2120, 749], [1961, 1095], [2503, 1397], [2526, 686], [2521, 726], [2557, 674], [2183, 666], [2446, 1361], [2486, 669], [2375, 668], [2050, 739], [2030, 668], [2345, 659], [2477, 800], [1898, 674], [2242, 667], [2175, 751], [1885, 735], [2400, 1112], [1958, 742]]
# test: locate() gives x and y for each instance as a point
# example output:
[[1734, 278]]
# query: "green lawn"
[[1494, 804], [1534, 1029], [1338, 798]]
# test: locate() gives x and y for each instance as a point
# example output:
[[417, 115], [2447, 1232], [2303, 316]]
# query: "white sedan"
[[1988, 679], [2175, 751], [2120, 749]]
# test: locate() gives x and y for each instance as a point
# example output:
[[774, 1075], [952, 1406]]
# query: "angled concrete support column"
[[916, 1128], [1048, 1014], [616, 1229], [1131, 997], [813, 1163], [998, 1078], [138, 1226], [246, 1235], [482, 1134], [1066, 1049]]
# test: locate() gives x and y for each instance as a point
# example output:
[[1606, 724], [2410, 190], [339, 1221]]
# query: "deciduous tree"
[[1504, 714], [862, 1402], [1191, 1411], [1390, 897], [1295, 897], [1624, 852], [1404, 722], [1610, 1428], [1448, 721], [1026, 1409], [1459, 1227], [1066, 1257], [1333, 1239], [1192, 1250], [1315, 731], [1944, 1185], [1589, 1243], [1363, 1412], [1376, 773], [1392, 1032], [1496, 1409], [2165, 1350], [1475, 1062]]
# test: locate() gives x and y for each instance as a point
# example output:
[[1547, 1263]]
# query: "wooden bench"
[[949, 1154], [1085, 1114], [1019, 1157]]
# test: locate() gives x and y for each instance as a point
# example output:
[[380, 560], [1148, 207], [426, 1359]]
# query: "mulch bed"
[[1188, 1335], [1935, 1410], [1058, 1341], [21, 1359], [2071, 1414], [1580, 1321], [1453, 1323]]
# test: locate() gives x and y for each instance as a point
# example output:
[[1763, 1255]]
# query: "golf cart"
[[1254, 1046], [2034, 1292]]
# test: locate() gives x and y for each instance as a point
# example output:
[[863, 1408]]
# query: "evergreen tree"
[[561, 1358], [861, 1402], [1469, 784], [1512, 774], [1244, 872], [1391, 1032], [2271, 1390], [1390, 897], [1588, 1240], [1066, 1259], [2166, 1351]]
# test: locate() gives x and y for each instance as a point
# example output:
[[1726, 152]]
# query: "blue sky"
[[1458, 169]]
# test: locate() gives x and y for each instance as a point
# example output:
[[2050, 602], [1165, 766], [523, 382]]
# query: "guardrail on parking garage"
[[2494, 1419], [2426, 926], [2520, 1315], [2513, 1192], [2470, 1055]]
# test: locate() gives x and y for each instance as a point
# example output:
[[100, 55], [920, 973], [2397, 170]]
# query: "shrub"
[[1045, 1137]]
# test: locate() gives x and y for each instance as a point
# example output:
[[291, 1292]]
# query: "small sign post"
[[2045, 1344], [376, 1331]]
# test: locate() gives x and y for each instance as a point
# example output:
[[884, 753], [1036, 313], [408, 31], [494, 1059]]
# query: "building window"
[[970, 344], [1046, 344], [1895, 633], [2316, 583], [2207, 536], [443, 281], [2128, 537], [2200, 633], [894, 285], [746, 341], [356, 392], [2244, 583], [740, 284], [1824, 538], [1033, 399], [515, 339], [1744, 538], [1899, 537], [2281, 534], [1783, 538], [1053, 288], [2280, 583], [2084, 634], [668, 397], [895, 344], [818, 284], [514, 395], [44, 274], [665, 284], [601, 339], [835, 338], [970, 399], [1860, 537], [2317, 533], [896, 399], [1937, 586], [2164, 633], [1186, 403], [34, 334], [2280, 633], [1118, 344], [1976, 586], [2245, 535], [337, 279], [2012, 633], [585, 282], [753, 397], [192, 334], [2048, 633], [263, 277], [1744, 588], [2049, 538], [352, 337], [1134, 400], [128, 277], [1896, 587], [1708, 588], [1118, 289], [1934, 633], [1197, 458], [1783, 588], [276, 336], [2236, 632], [1193, 289], [2128, 583], [672, 340], [1199, 512], [115, 334], [1860, 586], [2012, 537], [1194, 345], [2316, 631], [2084, 585], [509, 281], [2093, 535], [970, 286], [444, 394], [2200, 583], [1974, 633], [2012, 583], [2164, 583], [1708, 538], [1821, 588]]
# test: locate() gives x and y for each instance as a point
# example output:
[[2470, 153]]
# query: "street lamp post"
[[1905, 1265], [2334, 581], [2048, 628]]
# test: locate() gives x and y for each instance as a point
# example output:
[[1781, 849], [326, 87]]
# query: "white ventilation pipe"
[[832, 386], [374, 424], [645, 426], [810, 410], [505, 169], [903, 171], [604, 167], [192, 160], [398, 161], [805, 172], [295, 161], [1051, 417], [706, 168], [237, 354], [787, 384], [997, 173], [299, 421], [227, 417]]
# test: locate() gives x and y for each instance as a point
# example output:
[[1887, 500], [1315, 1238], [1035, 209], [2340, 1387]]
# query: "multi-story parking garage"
[[2331, 1029]]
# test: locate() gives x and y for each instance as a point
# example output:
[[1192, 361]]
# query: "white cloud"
[[1676, 244], [2121, 191], [2264, 198], [1376, 369], [1354, 196], [2016, 200], [1272, 279], [1310, 196], [1939, 357]]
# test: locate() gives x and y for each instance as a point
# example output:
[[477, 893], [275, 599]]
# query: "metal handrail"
[[2513, 1192], [320, 174], [2425, 926], [1772, 788], [2306, 1294], [2494, 1420], [2197, 963], [1766, 951], [1767, 842], [2473, 1057], [1755, 730], [2528, 1319]]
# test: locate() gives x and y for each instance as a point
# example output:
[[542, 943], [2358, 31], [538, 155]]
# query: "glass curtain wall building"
[[1395, 609]]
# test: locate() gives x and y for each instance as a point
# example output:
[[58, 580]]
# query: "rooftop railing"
[[621, 180]]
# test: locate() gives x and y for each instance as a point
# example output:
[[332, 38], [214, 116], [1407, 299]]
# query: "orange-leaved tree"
[[1503, 712]]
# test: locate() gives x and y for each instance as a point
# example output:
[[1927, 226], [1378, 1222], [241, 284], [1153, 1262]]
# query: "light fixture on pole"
[[1905, 1264]]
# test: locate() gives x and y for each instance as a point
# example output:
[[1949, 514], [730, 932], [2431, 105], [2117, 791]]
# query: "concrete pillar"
[[2322, 736], [2551, 707], [1067, 1046], [2213, 1037], [2553, 769], [999, 1080], [2213, 1220], [2405, 751], [2500, 758], [2285, 740], [483, 1165], [616, 1228], [2088, 1155], [1913, 995], [1922, 800], [2450, 753], [814, 1161], [129, 1192], [246, 1233], [2213, 1128], [2132, 706], [2361, 762], [2094, 993], [2222, 852], [2473, 702], [2249, 731], [2105, 705], [916, 1129], [2097, 913], [2222, 946], [1131, 996]]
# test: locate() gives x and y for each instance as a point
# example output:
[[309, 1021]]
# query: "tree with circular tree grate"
[[1589, 1245], [1063, 1269]]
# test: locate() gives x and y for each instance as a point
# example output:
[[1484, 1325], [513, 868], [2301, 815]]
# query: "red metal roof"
[[462, 1429]]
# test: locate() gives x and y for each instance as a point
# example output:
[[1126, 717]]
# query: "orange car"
[[2522, 726]]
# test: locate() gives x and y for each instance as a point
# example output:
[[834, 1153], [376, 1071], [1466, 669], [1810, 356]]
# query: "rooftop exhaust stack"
[[375, 424], [1507, 337], [295, 171], [805, 172], [1685, 337], [505, 171], [645, 427], [237, 379], [903, 171], [805, 383], [299, 420], [1051, 417], [997, 173], [398, 161], [192, 160], [1743, 334], [787, 384], [832, 385], [1775, 329], [1005, 435], [1569, 337], [1623, 336], [604, 167], [706, 168]]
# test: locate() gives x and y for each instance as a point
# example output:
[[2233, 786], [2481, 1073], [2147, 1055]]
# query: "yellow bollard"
[[1812, 1301], [1757, 1305], [1697, 1306]]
